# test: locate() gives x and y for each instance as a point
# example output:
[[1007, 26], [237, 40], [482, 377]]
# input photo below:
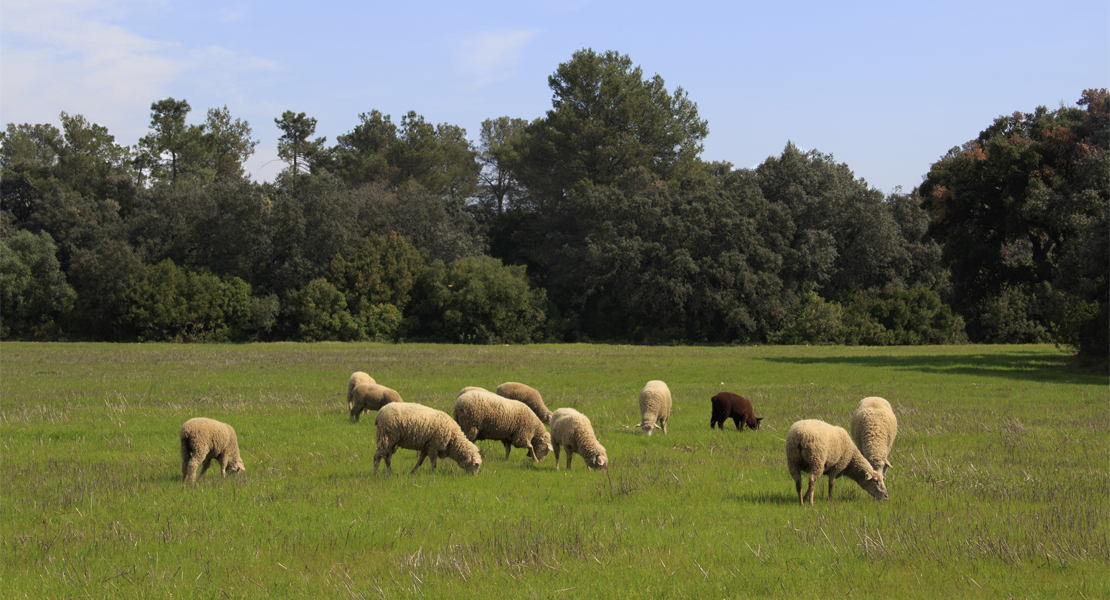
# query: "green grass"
[[999, 487]]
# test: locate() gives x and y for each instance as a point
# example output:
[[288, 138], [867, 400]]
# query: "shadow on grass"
[[1030, 365], [766, 498]]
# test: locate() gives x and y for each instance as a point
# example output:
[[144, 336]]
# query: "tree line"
[[597, 221]]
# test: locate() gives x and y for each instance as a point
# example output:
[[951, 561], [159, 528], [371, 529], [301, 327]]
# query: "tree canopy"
[[599, 220]]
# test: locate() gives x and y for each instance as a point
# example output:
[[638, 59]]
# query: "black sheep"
[[727, 405]]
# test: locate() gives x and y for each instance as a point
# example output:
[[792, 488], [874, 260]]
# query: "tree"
[[294, 146], [1010, 206], [28, 155], [82, 158], [443, 229], [606, 119], [498, 186], [382, 271], [173, 148], [843, 234], [228, 144], [438, 158], [363, 155]]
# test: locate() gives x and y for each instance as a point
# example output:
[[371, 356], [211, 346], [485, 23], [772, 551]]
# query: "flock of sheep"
[[515, 415]]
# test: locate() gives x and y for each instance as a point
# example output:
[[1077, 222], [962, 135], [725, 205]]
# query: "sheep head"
[[472, 465], [541, 446], [874, 484]]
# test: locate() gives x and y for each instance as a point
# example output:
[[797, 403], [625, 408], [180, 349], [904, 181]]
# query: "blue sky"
[[886, 89]]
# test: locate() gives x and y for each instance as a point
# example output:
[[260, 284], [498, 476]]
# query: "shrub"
[[478, 300], [33, 289], [178, 305]]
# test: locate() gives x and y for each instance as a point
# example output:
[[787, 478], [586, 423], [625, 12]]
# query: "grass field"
[[1000, 485]]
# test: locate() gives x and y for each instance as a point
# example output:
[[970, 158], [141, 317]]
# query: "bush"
[[901, 317], [319, 313], [33, 289], [177, 305], [478, 300], [896, 317]]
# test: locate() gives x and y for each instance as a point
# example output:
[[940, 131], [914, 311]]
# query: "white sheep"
[[874, 428], [655, 405], [356, 378], [416, 427], [486, 416], [370, 396], [819, 449], [203, 440], [572, 430], [527, 395]]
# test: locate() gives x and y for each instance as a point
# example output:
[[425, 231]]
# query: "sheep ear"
[[886, 463]]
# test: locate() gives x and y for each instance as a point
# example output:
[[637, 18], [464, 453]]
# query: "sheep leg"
[[569, 455], [736, 421], [532, 453], [555, 448], [223, 464], [831, 481], [185, 456], [663, 425], [191, 470], [809, 491], [508, 448], [204, 465], [387, 453], [423, 455]]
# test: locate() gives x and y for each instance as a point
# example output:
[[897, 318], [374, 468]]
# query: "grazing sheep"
[[527, 395], [417, 427], [874, 428], [356, 378], [727, 405], [572, 430], [204, 439], [821, 449], [486, 416], [655, 405], [371, 396]]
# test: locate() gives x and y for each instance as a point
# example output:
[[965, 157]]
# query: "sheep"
[[370, 396], [819, 449], [469, 388], [418, 427], [486, 416], [874, 428], [727, 405], [204, 439], [527, 395], [356, 378], [655, 405], [572, 430]]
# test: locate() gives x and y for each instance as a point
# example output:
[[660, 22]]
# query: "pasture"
[[999, 486]]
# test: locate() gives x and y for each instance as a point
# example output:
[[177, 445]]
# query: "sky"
[[886, 89]]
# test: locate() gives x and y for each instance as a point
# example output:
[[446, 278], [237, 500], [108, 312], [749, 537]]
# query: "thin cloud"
[[61, 55], [230, 15], [491, 56]]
